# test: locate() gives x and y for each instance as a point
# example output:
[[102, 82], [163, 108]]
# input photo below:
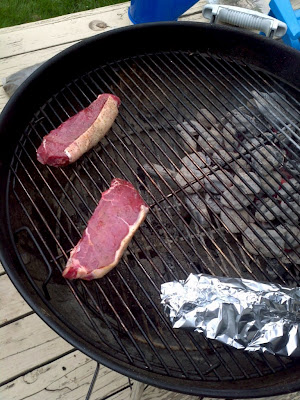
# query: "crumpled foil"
[[242, 313]]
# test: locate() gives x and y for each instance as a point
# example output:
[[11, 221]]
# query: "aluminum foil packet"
[[242, 313]]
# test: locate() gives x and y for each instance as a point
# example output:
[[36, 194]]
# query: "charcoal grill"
[[165, 74]]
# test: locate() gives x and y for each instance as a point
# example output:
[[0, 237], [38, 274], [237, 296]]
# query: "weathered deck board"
[[68, 29], [68, 377], [152, 393], [295, 4], [11, 65], [33, 43], [26, 344], [12, 304], [54, 31]]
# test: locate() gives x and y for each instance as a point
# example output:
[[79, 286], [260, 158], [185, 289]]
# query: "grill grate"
[[160, 93]]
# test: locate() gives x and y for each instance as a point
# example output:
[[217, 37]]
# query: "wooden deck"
[[35, 363]]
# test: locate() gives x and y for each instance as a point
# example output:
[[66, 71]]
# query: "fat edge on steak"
[[78, 134]]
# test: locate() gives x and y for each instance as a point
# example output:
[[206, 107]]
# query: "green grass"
[[15, 12]]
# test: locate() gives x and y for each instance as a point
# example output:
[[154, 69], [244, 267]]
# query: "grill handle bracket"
[[244, 18]]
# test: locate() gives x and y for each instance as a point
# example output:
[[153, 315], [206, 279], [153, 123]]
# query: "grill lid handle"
[[244, 18]]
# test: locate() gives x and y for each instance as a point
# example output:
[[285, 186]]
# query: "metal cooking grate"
[[149, 145]]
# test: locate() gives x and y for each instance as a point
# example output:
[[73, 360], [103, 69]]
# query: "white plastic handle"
[[245, 18]]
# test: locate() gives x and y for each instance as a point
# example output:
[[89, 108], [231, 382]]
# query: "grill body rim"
[[13, 265]]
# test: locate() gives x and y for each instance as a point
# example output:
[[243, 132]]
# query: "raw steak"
[[79, 133], [115, 220]]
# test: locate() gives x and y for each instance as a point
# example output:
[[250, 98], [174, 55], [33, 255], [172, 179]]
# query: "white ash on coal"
[[190, 179], [233, 198], [289, 187], [222, 157], [292, 257], [240, 120], [248, 183], [218, 181], [211, 140], [266, 210], [271, 183], [236, 220], [190, 127], [158, 171], [213, 202], [189, 142], [240, 166], [259, 241], [289, 209], [291, 235], [251, 144], [229, 133], [206, 118], [199, 209], [266, 159], [235, 176], [274, 107]]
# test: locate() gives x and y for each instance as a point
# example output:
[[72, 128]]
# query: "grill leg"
[[137, 390], [93, 382]]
